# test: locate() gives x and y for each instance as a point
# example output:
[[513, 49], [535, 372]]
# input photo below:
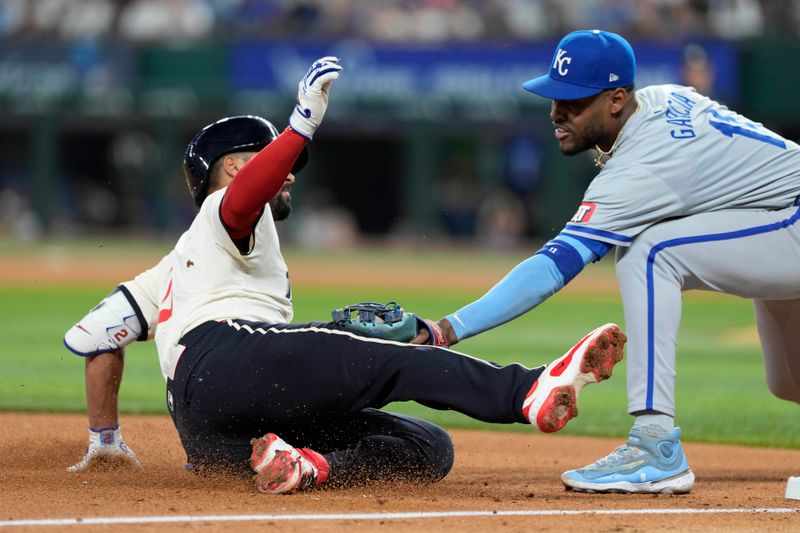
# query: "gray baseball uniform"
[[698, 197]]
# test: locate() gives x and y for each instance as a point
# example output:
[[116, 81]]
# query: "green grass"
[[722, 395]]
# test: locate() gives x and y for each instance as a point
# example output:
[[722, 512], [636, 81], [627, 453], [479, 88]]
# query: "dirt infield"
[[494, 472]]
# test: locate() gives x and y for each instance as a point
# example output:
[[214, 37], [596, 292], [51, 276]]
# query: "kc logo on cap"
[[560, 61], [585, 63]]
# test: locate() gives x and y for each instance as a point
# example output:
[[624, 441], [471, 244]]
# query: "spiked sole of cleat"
[[552, 400], [276, 473], [603, 354], [257, 457], [560, 407]]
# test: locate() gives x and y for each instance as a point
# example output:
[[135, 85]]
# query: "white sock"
[[665, 422]]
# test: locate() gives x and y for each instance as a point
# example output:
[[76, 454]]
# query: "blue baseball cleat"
[[652, 461]]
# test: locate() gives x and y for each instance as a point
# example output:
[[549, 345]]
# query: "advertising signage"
[[471, 72], [114, 79], [37, 76]]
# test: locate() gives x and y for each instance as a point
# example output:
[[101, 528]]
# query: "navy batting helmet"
[[233, 134]]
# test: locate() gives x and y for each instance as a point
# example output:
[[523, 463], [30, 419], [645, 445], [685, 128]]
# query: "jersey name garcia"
[[681, 154], [205, 277]]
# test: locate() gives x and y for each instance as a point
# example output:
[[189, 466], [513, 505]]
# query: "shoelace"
[[618, 456]]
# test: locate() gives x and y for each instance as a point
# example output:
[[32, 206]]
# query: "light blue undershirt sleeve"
[[530, 283]]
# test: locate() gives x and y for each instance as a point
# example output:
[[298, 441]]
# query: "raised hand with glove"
[[106, 444], [312, 96]]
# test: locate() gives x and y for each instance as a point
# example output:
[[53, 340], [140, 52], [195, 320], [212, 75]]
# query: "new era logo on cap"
[[585, 63]]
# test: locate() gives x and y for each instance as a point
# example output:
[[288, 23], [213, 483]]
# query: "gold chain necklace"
[[599, 161]]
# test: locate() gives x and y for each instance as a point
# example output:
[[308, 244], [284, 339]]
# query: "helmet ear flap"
[[231, 134], [196, 176]]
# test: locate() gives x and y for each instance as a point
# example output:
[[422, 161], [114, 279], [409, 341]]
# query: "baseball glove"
[[383, 321]]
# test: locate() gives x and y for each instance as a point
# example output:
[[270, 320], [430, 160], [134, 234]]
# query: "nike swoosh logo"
[[305, 112]]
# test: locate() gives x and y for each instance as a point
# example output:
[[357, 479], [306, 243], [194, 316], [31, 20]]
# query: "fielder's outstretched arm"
[[526, 286]]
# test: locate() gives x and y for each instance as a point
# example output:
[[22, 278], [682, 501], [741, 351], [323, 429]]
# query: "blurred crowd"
[[425, 21]]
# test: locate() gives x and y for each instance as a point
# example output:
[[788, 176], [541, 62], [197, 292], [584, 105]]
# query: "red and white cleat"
[[283, 469], [553, 398]]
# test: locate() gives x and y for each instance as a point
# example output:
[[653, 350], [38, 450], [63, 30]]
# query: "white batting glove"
[[312, 96], [106, 444]]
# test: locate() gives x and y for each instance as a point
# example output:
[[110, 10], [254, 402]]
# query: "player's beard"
[[591, 137], [281, 203]]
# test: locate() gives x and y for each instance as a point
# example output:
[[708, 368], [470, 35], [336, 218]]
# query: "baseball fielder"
[[219, 307], [693, 196]]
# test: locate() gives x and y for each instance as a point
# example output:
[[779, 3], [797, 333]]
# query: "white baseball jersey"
[[207, 278], [145, 289], [681, 154]]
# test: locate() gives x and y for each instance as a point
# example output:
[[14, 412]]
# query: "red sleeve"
[[258, 181]]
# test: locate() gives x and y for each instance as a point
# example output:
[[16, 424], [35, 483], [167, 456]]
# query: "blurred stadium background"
[[429, 138]]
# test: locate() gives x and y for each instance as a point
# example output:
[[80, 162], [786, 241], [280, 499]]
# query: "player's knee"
[[439, 452]]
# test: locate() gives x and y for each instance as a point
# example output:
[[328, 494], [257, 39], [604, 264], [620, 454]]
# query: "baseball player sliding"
[[239, 374], [693, 196]]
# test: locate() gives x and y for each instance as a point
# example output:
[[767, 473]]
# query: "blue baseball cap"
[[585, 63]]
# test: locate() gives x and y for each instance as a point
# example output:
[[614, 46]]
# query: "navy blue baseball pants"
[[318, 386]]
